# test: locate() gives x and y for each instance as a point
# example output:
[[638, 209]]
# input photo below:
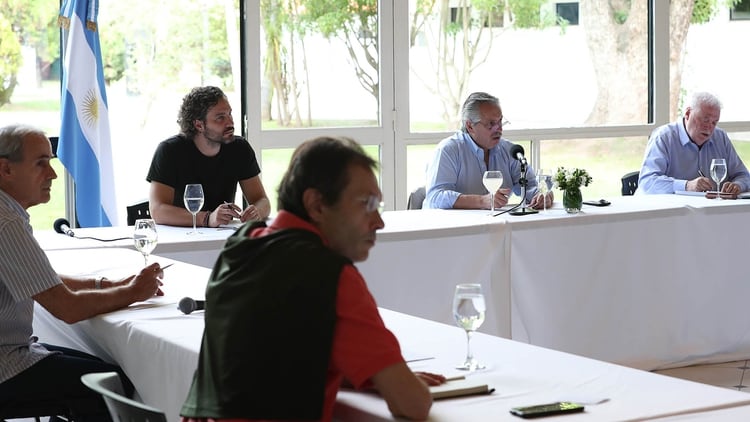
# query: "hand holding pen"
[[700, 183]]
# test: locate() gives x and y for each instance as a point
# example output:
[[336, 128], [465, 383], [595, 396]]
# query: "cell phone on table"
[[549, 409]]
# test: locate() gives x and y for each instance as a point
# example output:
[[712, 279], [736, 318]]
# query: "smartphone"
[[599, 203], [540, 410]]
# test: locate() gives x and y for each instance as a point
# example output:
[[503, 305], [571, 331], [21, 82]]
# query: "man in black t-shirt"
[[207, 152]]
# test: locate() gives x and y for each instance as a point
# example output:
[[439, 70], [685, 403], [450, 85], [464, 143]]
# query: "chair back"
[[34, 408], [415, 199], [121, 408], [630, 183], [136, 211]]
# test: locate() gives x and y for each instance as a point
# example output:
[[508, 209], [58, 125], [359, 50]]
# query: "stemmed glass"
[[492, 180], [193, 202], [145, 237], [718, 174], [468, 311]]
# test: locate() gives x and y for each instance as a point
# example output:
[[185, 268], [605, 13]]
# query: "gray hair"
[[700, 99], [470, 109], [11, 140]]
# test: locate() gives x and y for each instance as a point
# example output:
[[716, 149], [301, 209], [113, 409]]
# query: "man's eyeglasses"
[[492, 124], [373, 203]]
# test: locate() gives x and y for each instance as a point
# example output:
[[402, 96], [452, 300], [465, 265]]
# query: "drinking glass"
[[468, 311], [145, 237], [193, 202], [718, 174], [492, 180], [544, 184]]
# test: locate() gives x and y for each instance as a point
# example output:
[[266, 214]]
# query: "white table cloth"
[[174, 242], [157, 346], [650, 282]]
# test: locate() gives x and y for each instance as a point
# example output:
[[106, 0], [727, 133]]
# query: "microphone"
[[516, 151], [62, 226], [187, 305]]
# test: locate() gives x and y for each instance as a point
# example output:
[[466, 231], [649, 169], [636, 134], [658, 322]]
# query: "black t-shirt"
[[178, 162]]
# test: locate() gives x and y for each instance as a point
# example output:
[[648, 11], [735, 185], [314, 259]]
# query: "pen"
[[456, 378], [700, 173], [166, 266]]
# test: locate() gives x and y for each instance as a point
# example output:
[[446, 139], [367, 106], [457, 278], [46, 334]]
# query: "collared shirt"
[[24, 272], [458, 165], [672, 159]]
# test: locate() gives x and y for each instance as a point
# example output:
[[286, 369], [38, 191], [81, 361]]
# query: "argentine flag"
[[85, 146]]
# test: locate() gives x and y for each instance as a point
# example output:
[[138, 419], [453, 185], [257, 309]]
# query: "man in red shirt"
[[288, 315]]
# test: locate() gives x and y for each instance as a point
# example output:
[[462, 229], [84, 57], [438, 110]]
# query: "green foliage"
[[10, 60], [526, 13], [703, 11]]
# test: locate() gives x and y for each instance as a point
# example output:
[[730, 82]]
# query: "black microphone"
[[516, 151], [188, 305], [62, 226]]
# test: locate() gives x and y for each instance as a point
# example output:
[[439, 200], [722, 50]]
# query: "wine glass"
[[492, 180], [193, 202], [718, 174], [468, 311], [145, 237]]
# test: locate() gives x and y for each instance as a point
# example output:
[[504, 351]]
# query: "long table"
[[174, 242], [650, 282], [157, 347]]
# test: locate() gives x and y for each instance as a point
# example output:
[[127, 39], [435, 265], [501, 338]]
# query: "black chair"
[[34, 409], [136, 211], [630, 183], [121, 408], [415, 199]]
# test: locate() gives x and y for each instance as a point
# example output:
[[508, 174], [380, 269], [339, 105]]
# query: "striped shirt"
[[24, 272]]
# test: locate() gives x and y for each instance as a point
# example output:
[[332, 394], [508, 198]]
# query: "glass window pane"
[[723, 76], [545, 72], [319, 64], [596, 156], [34, 99], [151, 61], [276, 162]]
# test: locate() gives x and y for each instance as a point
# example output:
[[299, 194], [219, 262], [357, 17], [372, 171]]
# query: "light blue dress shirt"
[[671, 160], [457, 168]]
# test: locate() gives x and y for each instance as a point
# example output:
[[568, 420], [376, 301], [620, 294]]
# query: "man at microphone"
[[32, 372], [454, 176], [289, 316]]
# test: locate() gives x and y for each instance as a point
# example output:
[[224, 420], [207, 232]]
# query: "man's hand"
[[430, 378], [501, 198], [699, 184], [538, 201], [731, 187], [250, 213], [223, 214]]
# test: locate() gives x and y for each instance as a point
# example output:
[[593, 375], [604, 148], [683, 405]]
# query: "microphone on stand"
[[187, 305], [62, 226], [516, 151]]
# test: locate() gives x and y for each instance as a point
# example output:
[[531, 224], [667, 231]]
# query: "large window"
[[393, 76]]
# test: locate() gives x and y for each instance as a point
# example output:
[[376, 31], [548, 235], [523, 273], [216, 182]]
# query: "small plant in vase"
[[570, 182]]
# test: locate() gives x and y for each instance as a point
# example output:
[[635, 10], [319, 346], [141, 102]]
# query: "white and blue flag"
[[85, 146]]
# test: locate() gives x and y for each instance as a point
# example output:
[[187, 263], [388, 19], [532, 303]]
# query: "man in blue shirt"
[[454, 177], [678, 155]]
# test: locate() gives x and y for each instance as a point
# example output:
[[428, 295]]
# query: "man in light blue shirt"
[[454, 176], [678, 155]]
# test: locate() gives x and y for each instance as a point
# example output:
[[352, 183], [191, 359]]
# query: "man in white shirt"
[[32, 372]]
